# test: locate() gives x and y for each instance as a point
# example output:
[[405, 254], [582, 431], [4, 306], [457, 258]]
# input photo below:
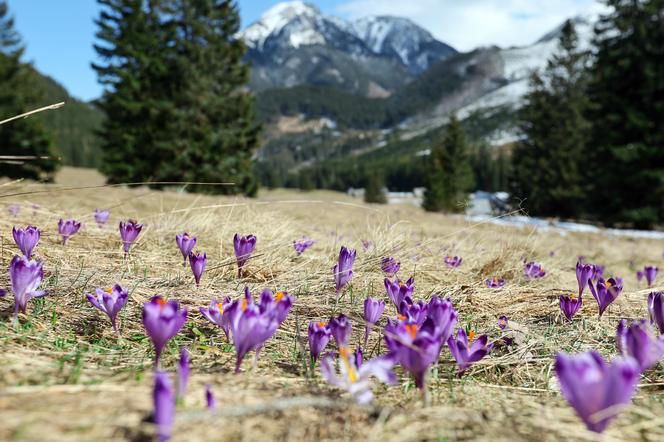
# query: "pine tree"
[[373, 191], [627, 90], [24, 137], [175, 98], [450, 177], [550, 162]]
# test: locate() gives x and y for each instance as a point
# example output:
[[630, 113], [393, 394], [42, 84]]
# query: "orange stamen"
[[278, 297], [471, 336], [412, 330], [220, 307], [321, 324], [344, 353], [244, 304], [162, 302]]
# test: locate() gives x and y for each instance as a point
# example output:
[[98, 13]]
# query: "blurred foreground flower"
[[197, 263], [186, 244], [343, 270], [453, 261], [110, 302], [495, 283], [303, 244], [466, 353], [639, 341], [164, 405], [68, 228], [129, 231], [101, 216], [209, 398], [398, 290], [355, 379], [25, 276], [26, 239], [570, 305], [183, 373], [319, 335], [533, 270], [243, 246], [162, 320], [596, 390], [389, 266]]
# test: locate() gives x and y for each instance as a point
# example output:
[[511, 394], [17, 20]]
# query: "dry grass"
[[65, 376]]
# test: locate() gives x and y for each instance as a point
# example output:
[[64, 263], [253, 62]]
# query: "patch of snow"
[[306, 37], [562, 227], [274, 20]]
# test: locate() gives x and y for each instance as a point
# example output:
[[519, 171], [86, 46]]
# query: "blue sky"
[[59, 34]]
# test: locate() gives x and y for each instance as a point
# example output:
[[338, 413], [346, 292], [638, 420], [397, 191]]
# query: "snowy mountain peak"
[[275, 19]]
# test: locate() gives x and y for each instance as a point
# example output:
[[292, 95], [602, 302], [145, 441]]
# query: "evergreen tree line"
[[593, 124]]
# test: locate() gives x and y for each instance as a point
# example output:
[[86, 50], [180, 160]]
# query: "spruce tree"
[[450, 176], [373, 191], [627, 91], [175, 98], [549, 163], [25, 137]]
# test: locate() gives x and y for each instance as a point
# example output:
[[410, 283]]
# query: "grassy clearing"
[[65, 375]]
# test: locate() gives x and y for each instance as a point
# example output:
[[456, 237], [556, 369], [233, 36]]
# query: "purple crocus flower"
[[495, 283], [355, 379], [598, 273], [358, 357], [319, 335], [606, 292], [164, 405], [25, 276], [638, 340], [68, 228], [453, 261], [14, 209], [415, 348], [398, 290], [197, 263], [110, 302], [570, 305], [639, 275], [218, 313], [503, 322], [26, 239], [533, 270], [183, 373], [650, 272], [466, 353], [584, 272], [243, 246], [129, 231], [186, 244], [101, 216], [443, 315], [341, 330], [303, 244], [656, 309], [390, 266], [162, 320], [373, 310], [209, 398], [343, 270], [252, 325], [596, 390], [413, 312]]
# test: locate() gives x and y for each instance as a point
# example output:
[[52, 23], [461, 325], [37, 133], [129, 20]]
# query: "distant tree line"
[[594, 123]]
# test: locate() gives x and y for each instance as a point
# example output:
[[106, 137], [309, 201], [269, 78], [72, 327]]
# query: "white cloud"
[[467, 24]]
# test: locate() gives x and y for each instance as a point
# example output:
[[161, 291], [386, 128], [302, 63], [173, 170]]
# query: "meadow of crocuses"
[[129, 314]]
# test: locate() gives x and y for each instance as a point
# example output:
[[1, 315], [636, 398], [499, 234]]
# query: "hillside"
[[73, 126]]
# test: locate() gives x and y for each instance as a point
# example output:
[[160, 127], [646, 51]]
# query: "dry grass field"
[[64, 375]]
